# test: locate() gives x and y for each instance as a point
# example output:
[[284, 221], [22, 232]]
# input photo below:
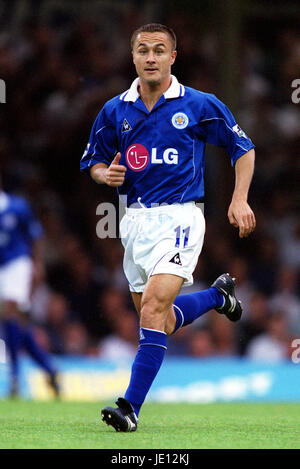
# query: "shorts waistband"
[[163, 208]]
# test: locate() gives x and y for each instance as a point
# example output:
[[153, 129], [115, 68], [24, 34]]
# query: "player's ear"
[[173, 56]]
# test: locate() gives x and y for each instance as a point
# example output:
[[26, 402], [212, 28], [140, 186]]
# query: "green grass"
[[26, 424]]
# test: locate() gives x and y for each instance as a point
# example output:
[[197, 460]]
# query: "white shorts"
[[15, 282], [161, 240]]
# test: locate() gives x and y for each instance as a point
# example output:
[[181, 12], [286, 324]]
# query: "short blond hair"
[[153, 28]]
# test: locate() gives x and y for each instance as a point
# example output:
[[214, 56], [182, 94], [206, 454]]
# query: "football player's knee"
[[152, 308]]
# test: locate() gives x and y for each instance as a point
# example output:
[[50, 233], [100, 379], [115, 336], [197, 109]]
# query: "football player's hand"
[[115, 173], [241, 216]]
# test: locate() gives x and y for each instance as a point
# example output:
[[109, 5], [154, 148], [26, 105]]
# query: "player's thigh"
[[157, 300]]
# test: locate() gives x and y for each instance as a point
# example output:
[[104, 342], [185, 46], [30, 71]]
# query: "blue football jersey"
[[164, 149], [18, 228]]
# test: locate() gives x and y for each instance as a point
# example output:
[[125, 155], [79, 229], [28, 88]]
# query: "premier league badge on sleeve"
[[180, 120], [239, 131]]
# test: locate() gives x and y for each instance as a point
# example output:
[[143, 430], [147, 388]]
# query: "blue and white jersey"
[[164, 149], [18, 228]]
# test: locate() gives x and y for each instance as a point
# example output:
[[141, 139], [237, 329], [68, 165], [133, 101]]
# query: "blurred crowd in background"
[[60, 70]]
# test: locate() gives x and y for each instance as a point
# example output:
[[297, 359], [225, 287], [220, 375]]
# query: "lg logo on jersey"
[[137, 156]]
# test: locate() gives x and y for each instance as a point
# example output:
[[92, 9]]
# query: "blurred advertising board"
[[179, 380]]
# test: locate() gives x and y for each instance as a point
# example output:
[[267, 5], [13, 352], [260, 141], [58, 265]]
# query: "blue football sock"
[[150, 355], [36, 352], [191, 306], [13, 341]]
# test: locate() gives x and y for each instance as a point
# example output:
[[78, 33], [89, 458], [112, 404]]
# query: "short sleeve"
[[218, 127], [102, 144]]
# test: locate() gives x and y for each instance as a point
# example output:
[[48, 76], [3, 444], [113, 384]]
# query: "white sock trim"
[[154, 330], [177, 307]]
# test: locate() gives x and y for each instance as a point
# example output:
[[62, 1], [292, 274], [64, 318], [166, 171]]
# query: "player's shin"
[[13, 340]]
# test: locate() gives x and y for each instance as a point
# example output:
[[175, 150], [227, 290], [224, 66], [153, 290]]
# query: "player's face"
[[153, 57]]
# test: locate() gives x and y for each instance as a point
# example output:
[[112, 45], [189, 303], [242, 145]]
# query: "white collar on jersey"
[[175, 90], [3, 201]]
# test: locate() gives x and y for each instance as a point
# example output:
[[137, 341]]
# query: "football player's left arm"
[[240, 213]]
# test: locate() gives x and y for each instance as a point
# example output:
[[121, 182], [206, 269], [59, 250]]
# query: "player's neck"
[[150, 94]]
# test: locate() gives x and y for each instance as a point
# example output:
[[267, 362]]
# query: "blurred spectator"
[[239, 268], [57, 319], [286, 298], [201, 344], [54, 234], [111, 302], [218, 248], [255, 322], [273, 344], [290, 251], [40, 295], [83, 291], [75, 339], [113, 263], [223, 336], [42, 337], [281, 218], [178, 343], [122, 343], [264, 266]]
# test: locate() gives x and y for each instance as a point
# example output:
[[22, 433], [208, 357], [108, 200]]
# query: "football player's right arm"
[[112, 175]]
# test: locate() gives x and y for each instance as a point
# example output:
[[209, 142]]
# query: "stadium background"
[[61, 61]]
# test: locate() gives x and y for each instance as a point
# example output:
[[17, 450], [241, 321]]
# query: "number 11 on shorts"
[[185, 232]]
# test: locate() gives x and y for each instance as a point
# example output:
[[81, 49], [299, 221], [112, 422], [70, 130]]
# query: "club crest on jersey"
[[126, 126], [180, 120], [236, 128]]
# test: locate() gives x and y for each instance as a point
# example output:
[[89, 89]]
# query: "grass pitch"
[[26, 424]]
